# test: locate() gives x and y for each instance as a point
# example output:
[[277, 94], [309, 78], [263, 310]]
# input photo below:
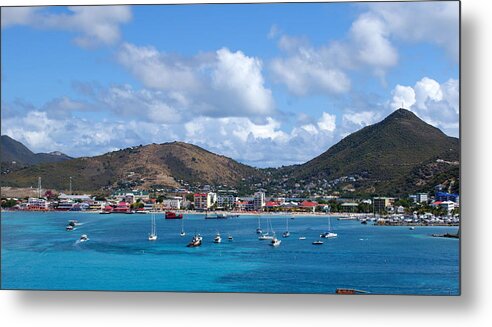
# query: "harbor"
[[38, 253]]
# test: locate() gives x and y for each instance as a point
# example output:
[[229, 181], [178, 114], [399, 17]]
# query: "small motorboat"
[[412, 228], [286, 234], [275, 242], [195, 241], [83, 238], [363, 221], [328, 235], [73, 223], [69, 228], [230, 238], [318, 242], [182, 234], [302, 238], [217, 238]]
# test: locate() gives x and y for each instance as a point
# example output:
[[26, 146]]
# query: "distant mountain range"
[[15, 155], [153, 165], [398, 155]]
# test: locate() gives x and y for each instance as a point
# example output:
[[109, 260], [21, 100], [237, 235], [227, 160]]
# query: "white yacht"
[[329, 233], [275, 242], [83, 238], [217, 238]]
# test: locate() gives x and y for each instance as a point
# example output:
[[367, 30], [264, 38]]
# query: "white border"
[[169, 309]]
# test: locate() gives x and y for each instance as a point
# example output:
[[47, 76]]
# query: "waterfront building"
[[122, 207], [37, 204], [174, 203], [244, 205], [74, 197], [349, 207], [148, 206], [65, 205], [308, 205], [382, 203], [135, 194], [204, 201], [259, 200], [447, 205], [226, 200], [422, 198]]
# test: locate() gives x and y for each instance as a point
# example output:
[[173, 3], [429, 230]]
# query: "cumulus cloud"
[[307, 71], [135, 117], [220, 84], [436, 103], [368, 46], [403, 97], [94, 25], [361, 119], [434, 22], [369, 40], [262, 145]]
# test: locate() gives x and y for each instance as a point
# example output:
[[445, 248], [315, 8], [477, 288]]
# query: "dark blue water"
[[37, 253]]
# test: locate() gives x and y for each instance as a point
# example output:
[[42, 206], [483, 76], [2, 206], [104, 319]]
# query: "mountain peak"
[[402, 113]]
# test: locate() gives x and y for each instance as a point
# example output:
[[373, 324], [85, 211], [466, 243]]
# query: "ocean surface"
[[38, 253]]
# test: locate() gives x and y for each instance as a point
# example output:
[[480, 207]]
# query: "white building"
[[226, 200], [37, 204], [174, 203], [421, 198], [447, 205], [72, 197], [259, 200], [148, 206]]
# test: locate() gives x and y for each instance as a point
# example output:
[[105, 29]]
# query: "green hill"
[[381, 156]]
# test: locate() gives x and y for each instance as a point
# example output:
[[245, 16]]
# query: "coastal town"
[[437, 208]]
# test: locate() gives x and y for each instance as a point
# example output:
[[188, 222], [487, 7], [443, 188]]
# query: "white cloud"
[[94, 25], [371, 44], [435, 22], [361, 119], [403, 97], [238, 78], [427, 90], [307, 72], [327, 122], [220, 84], [368, 45], [18, 15], [157, 70]]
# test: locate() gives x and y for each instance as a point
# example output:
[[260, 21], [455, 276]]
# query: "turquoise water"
[[37, 253]]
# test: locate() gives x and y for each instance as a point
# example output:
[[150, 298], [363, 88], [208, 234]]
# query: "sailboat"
[[153, 232], [259, 230], [182, 228], [329, 233], [267, 236], [286, 233]]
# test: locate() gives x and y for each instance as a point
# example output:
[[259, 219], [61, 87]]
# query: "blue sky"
[[265, 84]]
